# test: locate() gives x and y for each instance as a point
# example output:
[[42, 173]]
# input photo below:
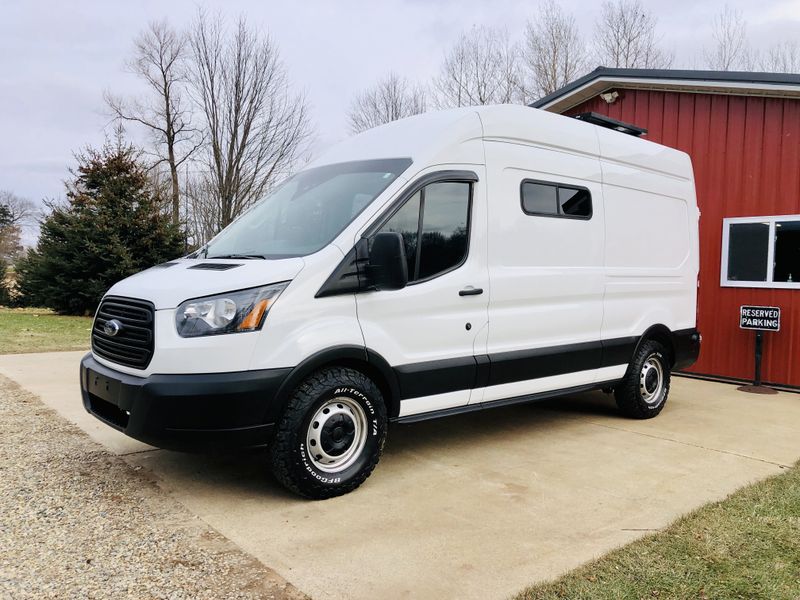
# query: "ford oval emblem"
[[112, 327]]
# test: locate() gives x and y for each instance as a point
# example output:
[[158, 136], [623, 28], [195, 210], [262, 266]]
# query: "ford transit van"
[[448, 262]]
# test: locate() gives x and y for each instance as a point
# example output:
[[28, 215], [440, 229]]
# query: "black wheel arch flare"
[[360, 358]]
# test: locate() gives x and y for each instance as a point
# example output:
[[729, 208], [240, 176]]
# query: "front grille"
[[132, 346]]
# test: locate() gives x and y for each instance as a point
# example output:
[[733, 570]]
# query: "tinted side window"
[[539, 198], [574, 202], [406, 222], [444, 227], [552, 199]]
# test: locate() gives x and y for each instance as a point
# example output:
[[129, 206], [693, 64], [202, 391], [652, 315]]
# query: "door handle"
[[470, 291]]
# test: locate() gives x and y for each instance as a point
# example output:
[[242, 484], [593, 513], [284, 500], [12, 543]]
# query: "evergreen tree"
[[10, 244], [5, 216], [5, 223], [5, 293], [110, 228]]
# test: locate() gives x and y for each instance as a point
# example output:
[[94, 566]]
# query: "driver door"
[[427, 331]]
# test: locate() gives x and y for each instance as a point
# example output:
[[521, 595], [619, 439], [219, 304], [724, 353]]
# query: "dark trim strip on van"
[[436, 377], [468, 372], [509, 367], [456, 374]]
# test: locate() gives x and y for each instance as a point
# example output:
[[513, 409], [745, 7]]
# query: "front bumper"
[[184, 412]]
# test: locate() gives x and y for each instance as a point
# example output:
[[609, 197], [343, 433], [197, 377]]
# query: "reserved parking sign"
[[765, 318]]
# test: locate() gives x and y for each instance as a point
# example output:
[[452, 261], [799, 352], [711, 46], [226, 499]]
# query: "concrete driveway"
[[474, 506]]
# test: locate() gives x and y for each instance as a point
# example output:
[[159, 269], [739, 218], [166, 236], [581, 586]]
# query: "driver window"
[[406, 222], [438, 215]]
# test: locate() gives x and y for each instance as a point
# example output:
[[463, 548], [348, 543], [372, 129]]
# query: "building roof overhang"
[[603, 79]]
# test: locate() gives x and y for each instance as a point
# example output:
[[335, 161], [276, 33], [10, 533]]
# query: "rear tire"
[[643, 392], [331, 434]]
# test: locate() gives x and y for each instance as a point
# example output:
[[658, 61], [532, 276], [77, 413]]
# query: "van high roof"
[[454, 136]]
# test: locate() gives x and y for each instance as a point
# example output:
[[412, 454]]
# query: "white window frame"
[[769, 283]]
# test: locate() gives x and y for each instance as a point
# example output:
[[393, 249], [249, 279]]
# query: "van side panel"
[[651, 255], [546, 275]]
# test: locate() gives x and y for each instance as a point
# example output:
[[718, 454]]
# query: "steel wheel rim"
[[651, 380], [337, 434]]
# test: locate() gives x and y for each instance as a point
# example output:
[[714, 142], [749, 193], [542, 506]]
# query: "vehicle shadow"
[[247, 471], [521, 419]]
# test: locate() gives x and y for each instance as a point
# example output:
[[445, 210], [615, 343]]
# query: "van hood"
[[169, 284]]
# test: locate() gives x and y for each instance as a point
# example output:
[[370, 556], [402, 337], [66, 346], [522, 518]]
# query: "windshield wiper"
[[241, 256]]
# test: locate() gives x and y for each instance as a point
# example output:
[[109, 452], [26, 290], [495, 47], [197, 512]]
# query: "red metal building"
[[742, 131]]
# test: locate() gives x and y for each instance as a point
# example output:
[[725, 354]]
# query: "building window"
[[787, 252], [761, 252], [555, 200]]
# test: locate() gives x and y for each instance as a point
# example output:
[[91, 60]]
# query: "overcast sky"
[[57, 57]]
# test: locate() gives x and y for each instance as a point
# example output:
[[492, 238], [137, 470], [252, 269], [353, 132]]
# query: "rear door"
[[427, 331]]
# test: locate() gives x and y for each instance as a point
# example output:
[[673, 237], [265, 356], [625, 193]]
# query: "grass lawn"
[[40, 330], [746, 546]]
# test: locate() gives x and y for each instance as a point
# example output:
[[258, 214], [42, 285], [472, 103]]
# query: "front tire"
[[331, 434], [643, 392]]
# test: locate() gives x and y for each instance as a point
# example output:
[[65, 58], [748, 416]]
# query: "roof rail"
[[609, 123]]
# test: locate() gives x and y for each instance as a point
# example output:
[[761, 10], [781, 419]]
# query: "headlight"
[[227, 313]]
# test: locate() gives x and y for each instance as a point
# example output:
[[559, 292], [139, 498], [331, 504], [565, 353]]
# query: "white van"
[[448, 262]]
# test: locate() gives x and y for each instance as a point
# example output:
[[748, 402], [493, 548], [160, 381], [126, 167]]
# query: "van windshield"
[[307, 211]]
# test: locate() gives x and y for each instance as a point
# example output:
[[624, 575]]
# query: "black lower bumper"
[[686, 343], [184, 412]]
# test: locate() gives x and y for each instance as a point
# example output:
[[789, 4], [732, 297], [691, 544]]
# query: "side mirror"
[[387, 267]]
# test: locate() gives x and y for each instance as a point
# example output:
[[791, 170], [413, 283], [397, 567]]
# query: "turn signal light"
[[253, 319]]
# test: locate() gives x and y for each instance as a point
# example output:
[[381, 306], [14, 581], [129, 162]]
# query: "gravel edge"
[[79, 522]]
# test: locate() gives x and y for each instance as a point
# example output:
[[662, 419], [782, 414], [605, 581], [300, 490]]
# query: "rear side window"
[[434, 224], [555, 200], [574, 202], [539, 199]]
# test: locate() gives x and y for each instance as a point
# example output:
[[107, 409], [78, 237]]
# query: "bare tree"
[[625, 36], [392, 98], [18, 211], [15, 214], [782, 58], [730, 50], [202, 210], [554, 52], [159, 59], [483, 67], [256, 127]]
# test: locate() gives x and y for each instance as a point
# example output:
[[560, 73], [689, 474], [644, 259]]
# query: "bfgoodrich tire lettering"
[[643, 392], [347, 403]]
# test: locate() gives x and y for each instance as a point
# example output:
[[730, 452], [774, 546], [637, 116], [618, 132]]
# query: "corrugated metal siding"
[[746, 157]]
